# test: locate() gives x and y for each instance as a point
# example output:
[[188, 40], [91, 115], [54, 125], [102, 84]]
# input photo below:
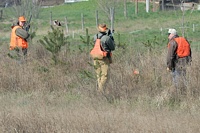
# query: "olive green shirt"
[[21, 32]]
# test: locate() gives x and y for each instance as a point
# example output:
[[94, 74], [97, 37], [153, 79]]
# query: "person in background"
[[18, 40], [179, 57], [102, 65]]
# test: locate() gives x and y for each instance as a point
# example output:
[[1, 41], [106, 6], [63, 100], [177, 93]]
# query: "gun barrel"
[[27, 24]]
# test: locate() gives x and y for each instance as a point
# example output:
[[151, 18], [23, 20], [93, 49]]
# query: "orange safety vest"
[[98, 52], [16, 41], [183, 49]]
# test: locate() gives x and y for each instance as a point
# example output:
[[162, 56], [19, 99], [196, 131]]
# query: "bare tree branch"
[[105, 6]]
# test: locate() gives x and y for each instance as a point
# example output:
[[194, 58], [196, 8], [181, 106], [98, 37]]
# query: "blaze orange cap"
[[22, 18]]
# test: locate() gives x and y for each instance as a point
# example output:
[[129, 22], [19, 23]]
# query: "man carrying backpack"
[[18, 40], [101, 65], [178, 58]]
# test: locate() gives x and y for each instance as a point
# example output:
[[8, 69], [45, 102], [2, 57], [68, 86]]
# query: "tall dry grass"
[[38, 96]]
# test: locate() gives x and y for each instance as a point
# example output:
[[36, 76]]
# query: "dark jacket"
[[107, 42], [173, 61]]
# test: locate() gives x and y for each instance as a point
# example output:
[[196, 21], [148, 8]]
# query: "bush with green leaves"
[[53, 42]]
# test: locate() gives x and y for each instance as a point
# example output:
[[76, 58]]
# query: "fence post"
[[97, 18], [82, 20], [136, 7], [112, 19], [125, 9], [50, 18], [66, 24], [193, 28], [73, 35], [161, 31], [1, 14]]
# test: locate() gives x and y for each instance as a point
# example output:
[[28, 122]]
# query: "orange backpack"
[[98, 52]]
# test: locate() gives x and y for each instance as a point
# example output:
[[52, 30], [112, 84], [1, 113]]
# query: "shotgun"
[[27, 26]]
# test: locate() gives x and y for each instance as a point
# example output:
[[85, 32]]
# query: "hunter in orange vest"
[[178, 57], [19, 36], [102, 65]]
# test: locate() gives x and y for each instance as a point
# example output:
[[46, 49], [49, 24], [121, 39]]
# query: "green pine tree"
[[53, 42]]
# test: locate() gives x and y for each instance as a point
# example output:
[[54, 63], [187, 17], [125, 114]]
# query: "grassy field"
[[38, 96]]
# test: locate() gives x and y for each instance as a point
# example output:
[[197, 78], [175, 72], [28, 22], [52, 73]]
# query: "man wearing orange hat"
[[102, 65], [18, 40]]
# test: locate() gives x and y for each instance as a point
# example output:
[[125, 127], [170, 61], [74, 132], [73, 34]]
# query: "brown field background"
[[38, 96]]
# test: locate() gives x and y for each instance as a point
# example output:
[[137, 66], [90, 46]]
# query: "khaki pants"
[[102, 70]]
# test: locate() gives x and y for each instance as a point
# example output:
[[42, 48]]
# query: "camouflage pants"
[[102, 71]]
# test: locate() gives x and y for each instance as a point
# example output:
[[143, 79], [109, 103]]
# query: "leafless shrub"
[[27, 8], [106, 5]]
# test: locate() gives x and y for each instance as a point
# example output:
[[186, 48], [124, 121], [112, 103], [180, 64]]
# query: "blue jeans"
[[179, 78]]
